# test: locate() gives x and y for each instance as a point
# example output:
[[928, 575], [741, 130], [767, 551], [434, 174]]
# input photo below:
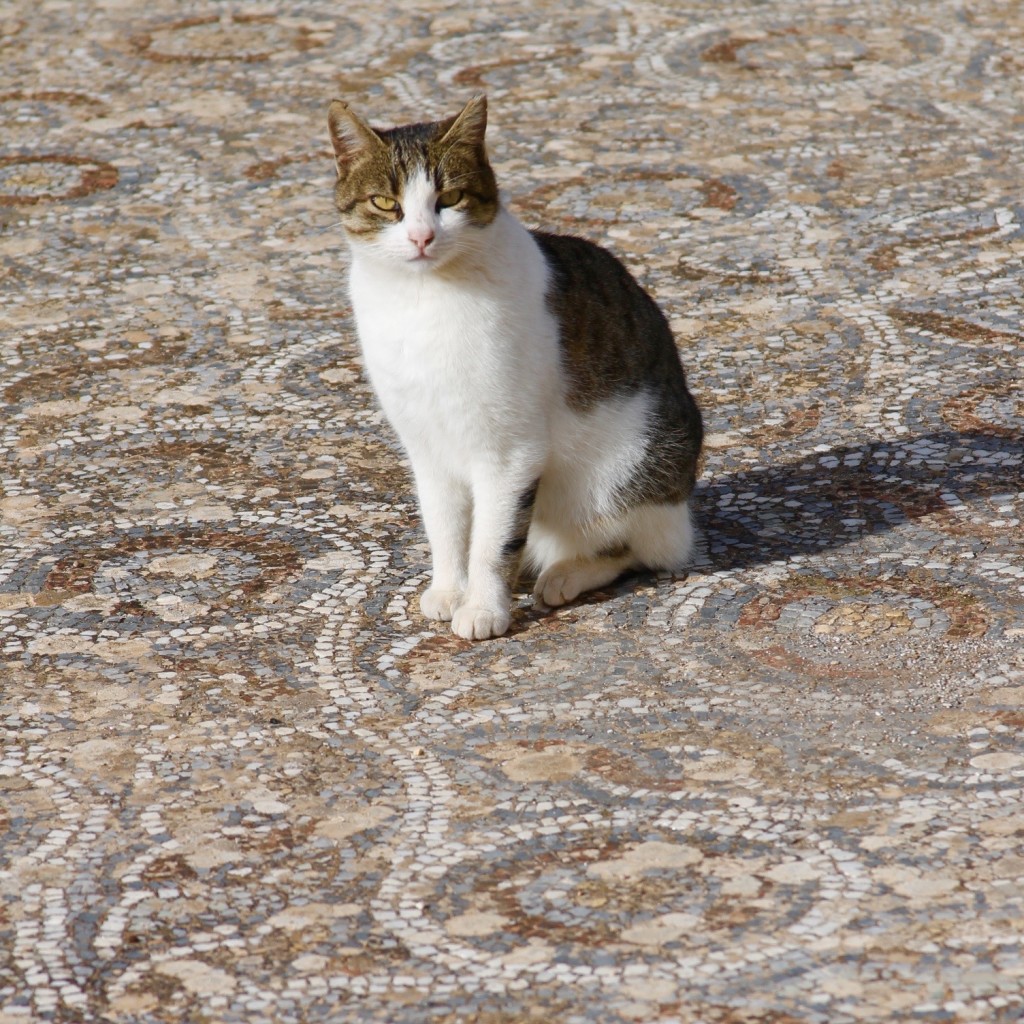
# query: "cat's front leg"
[[502, 509], [446, 509]]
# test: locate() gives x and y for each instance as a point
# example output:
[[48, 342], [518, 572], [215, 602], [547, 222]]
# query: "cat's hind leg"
[[570, 560], [567, 579], [646, 537], [663, 536]]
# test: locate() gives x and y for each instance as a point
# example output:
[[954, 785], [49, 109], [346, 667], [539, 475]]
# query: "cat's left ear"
[[470, 126], [350, 134]]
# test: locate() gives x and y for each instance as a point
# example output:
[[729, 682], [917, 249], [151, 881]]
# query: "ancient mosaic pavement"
[[241, 780]]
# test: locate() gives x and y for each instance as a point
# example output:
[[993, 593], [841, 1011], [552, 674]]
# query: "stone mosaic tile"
[[243, 780]]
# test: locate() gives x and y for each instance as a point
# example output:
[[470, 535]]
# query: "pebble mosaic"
[[242, 780]]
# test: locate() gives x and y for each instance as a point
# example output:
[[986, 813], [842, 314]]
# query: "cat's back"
[[613, 336]]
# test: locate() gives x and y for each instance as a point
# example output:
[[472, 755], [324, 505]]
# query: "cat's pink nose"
[[421, 237]]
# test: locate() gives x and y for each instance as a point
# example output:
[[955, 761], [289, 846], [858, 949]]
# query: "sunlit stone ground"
[[243, 781]]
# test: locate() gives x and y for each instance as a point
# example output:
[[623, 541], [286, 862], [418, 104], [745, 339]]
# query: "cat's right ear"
[[350, 134], [470, 124]]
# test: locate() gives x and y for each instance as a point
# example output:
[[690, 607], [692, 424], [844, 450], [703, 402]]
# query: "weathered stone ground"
[[243, 781]]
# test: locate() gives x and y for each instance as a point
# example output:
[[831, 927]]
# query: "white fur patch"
[[419, 202], [464, 357], [596, 454]]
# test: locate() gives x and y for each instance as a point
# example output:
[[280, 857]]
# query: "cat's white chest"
[[462, 363], [419, 335]]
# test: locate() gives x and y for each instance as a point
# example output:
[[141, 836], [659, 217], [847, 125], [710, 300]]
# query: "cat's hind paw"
[[480, 623], [560, 585], [565, 581], [438, 603]]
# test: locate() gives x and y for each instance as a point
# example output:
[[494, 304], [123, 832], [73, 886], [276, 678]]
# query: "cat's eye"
[[450, 198], [385, 203]]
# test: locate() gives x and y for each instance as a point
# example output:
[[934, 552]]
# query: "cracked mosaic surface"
[[241, 780]]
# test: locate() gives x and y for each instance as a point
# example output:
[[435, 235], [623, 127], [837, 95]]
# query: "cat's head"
[[415, 196]]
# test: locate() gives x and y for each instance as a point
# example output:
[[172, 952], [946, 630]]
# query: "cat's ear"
[[350, 134], [470, 126]]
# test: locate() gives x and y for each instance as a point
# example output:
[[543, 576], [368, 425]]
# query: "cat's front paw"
[[480, 623], [438, 603]]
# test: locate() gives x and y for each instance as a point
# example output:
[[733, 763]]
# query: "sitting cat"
[[533, 383]]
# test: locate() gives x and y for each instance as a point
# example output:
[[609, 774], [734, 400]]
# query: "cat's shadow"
[[830, 499]]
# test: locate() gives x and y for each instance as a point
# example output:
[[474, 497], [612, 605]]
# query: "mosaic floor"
[[241, 780]]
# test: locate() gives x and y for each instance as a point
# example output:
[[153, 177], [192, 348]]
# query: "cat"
[[533, 383]]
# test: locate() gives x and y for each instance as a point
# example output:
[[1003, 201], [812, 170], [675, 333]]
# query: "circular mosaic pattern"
[[867, 607], [790, 50], [166, 573], [26, 114], [230, 37], [995, 409], [26, 180], [634, 195]]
